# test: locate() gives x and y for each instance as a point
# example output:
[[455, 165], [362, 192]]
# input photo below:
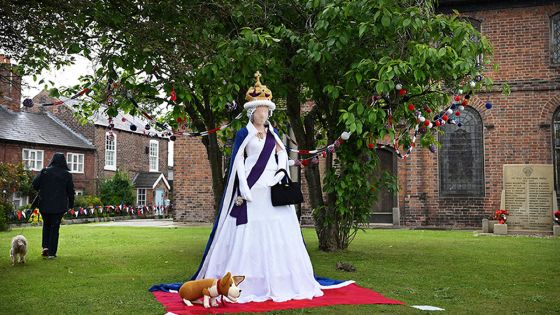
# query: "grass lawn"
[[108, 270]]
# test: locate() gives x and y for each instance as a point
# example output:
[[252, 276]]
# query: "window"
[[556, 147], [555, 39], [111, 151], [461, 157], [19, 200], [476, 25], [75, 162], [141, 197], [78, 192], [33, 159], [154, 155]]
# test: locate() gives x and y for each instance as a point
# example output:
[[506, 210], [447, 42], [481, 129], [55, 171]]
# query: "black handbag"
[[286, 192]]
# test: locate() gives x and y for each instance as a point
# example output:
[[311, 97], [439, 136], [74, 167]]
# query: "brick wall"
[[11, 152], [10, 85], [132, 156], [131, 147], [516, 130], [192, 184]]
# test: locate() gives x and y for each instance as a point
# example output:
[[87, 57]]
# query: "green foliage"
[[87, 201], [15, 178], [337, 53], [116, 191], [6, 209]]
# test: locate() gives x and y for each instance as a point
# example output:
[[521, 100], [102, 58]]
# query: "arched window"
[[556, 147], [555, 39], [461, 157]]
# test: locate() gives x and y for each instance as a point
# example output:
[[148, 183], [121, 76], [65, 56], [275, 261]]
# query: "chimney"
[[10, 85]]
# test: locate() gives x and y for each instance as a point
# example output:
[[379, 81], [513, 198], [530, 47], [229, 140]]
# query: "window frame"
[[138, 194], [482, 192], [71, 164], [111, 167], [151, 156], [35, 161], [554, 18], [22, 199]]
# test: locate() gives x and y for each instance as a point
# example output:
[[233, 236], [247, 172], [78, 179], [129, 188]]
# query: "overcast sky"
[[66, 76]]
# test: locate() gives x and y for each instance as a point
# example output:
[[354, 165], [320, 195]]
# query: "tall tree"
[[349, 57]]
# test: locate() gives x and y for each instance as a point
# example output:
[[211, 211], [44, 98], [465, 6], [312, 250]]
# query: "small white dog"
[[19, 247]]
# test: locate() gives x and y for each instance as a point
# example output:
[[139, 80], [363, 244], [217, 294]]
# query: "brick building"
[[135, 152], [462, 183], [33, 138]]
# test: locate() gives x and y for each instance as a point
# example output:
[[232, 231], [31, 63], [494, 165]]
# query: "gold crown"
[[259, 91]]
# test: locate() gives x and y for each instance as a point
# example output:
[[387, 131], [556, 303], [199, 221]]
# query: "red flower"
[[501, 216]]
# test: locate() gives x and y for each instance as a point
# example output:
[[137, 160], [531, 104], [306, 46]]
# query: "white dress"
[[269, 249]]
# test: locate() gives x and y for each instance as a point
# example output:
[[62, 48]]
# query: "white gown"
[[269, 249]]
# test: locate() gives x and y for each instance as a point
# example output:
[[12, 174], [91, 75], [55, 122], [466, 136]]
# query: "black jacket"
[[55, 186]]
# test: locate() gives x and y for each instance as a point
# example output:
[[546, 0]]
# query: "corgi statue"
[[207, 291]]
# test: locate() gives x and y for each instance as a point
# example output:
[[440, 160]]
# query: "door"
[[159, 197], [382, 210]]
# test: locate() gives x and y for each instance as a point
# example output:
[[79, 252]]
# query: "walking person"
[[56, 193]]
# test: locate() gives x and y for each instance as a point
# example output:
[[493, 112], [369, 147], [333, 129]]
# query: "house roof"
[[149, 180], [39, 128], [99, 117]]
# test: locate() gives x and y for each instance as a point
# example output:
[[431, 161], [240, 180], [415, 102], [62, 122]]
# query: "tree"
[[117, 191], [147, 48], [345, 54], [13, 178], [348, 57]]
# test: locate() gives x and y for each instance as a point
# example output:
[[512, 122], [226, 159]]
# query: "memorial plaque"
[[528, 196]]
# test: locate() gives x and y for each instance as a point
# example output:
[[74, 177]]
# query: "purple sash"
[[240, 212]]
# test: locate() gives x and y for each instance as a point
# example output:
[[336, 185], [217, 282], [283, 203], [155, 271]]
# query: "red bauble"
[[426, 123], [438, 123], [411, 107], [445, 117], [179, 119], [465, 102], [371, 145], [457, 98], [457, 113], [402, 92]]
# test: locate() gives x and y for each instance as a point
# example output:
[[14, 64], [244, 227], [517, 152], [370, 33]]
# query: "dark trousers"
[[51, 225]]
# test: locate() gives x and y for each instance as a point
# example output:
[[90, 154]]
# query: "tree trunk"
[[213, 151], [215, 159], [325, 220], [305, 136]]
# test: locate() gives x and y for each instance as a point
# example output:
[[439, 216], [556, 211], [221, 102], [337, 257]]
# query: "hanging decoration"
[[33, 216], [450, 115]]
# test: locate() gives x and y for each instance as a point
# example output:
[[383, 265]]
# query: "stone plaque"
[[528, 196]]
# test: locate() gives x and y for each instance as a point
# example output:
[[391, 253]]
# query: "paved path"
[[167, 223]]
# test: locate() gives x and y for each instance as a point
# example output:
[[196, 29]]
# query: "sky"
[[64, 77]]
